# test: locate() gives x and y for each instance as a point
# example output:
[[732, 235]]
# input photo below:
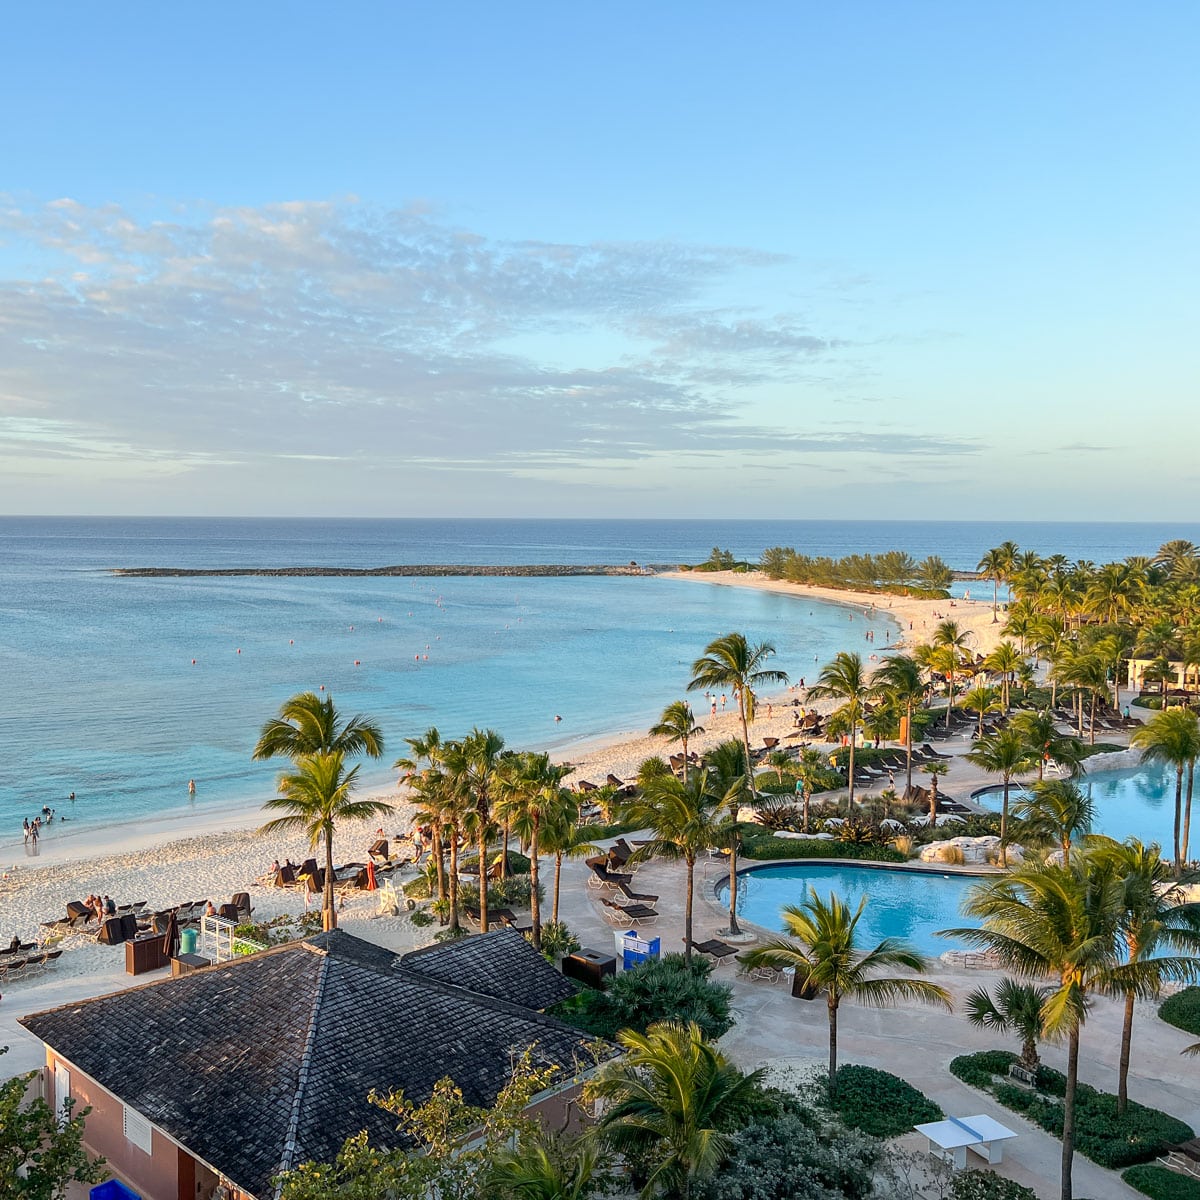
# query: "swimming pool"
[[907, 904], [1138, 802]]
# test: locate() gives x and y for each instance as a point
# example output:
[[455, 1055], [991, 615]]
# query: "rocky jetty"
[[534, 570]]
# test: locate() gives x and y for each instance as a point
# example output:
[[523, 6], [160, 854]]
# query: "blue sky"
[[669, 260]]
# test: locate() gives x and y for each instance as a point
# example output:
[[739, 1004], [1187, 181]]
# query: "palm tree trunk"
[[1068, 1134], [733, 881], [853, 739], [507, 833], [806, 796], [1092, 721], [1178, 815], [557, 882], [950, 700], [832, 1005], [908, 752], [328, 912], [687, 912], [1004, 823], [481, 838], [995, 600], [1123, 1068], [439, 852], [454, 921], [1187, 808], [685, 762], [535, 912]]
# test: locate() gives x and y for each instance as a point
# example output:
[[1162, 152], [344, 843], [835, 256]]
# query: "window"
[[137, 1129]]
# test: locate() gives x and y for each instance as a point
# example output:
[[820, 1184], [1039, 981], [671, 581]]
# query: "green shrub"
[[978, 1069], [1182, 1010], [879, 1103], [518, 864], [558, 939], [662, 989], [987, 1185], [421, 918], [419, 888], [765, 845], [1161, 1184]]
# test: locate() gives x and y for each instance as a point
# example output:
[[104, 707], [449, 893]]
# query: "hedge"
[[1160, 1183], [1182, 1010], [759, 846], [1101, 1134], [879, 1103]]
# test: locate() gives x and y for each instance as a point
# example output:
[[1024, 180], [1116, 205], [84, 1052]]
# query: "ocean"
[[102, 697]]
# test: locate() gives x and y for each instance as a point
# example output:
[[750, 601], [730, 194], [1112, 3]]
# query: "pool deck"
[[910, 1040]]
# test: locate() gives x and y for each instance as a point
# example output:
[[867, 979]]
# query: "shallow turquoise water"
[[901, 903]]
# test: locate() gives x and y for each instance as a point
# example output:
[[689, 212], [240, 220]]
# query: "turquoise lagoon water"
[[902, 903]]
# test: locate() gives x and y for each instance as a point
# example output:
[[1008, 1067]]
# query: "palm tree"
[[982, 699], [545, 1165], [900, 681], [685, 818], [844, 679], [315, 798], [1039, 732], [1156, 915], [473, 763], [677, 724], [1055, 810], [308, 724], [949, 642], [440, 805], [823, 951], [425, 754], [809, 768], [1002, 753], [1055, 920], [726, 762], [1005, 660], [1172, 737], [935, 770], [994, 565], [564, 837], [528, 785], [779, 761], [732, 662], [1017, 1007], [671, 1097]]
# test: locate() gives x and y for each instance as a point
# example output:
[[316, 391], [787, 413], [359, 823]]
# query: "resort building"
[[1146, 674], [211, 1084]]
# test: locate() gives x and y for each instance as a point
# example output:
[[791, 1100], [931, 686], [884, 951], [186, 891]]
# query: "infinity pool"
[[906, 904], [1138, 802]]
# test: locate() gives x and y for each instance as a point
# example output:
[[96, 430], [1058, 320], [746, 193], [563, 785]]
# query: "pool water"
[[906, 904], [1138, 802]]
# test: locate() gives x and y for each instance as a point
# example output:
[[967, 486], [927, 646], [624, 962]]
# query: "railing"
[[220, 943]]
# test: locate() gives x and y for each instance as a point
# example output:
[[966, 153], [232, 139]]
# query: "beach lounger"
[[602, 877], [637, 914], [241, 900], [285, 877], [719, 951], [631, 897]]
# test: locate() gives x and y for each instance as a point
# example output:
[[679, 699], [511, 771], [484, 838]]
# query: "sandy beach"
[[211, 854]]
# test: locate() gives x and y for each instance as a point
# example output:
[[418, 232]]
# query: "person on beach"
[[275, 866], [110, 907], [27, 829], [210, 909], [191, 787]]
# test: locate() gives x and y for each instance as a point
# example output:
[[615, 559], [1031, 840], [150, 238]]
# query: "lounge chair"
[[717, 950], [930, 752], [631, 897], [602, 877], [241, 901], [637, 914]]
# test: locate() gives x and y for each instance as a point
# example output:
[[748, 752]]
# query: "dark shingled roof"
[[501, 964], [265, 1062]]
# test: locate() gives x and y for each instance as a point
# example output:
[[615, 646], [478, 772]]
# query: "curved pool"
[[909, 904], [1137, 802]]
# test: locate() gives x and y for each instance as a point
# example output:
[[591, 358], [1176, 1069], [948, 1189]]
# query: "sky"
[[670, 260]]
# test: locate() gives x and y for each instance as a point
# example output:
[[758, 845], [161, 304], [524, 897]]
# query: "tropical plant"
[[671, 1101], [545, 1165], [1063, 921], [823, 949], [726, 764], [440, 806], [995, 565], [1045, 744], [473, 763], [315, 798], [810, 771], [981, 700], [733, 662], [1156, 916], [677, 724], [685, 819], [901, 682], [935, 770], [564, 837], [846, 680], [1006, 754], [949, 643], [309, 724], [1172, 737], [1057, 811], [1016, 1006], [1006, 661]]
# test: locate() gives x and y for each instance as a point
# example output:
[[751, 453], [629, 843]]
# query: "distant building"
[[1180, 677], [213, 1083]]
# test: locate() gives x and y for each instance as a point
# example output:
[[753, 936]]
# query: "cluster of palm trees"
[[894, 570]]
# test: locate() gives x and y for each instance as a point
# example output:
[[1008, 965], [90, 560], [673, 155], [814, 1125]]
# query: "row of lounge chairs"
[[25, 966]]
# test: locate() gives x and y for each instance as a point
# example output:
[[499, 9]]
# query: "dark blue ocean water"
[[101, 697]]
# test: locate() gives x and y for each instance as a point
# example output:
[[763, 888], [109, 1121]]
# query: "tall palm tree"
[[678, 724], [1039, 732], [1005, 660], [726, 763], [994, 566], [1172, 737], [810, 768], [900, 681], [315, 797], [529, 786], [845, 679], [685, 819], [440, 805], [564, 837], [1156, 916], [935, 770], [949, 642], [1057, 811], [981, 700], [473, 763], [425, 754], [309, 724], [732, 662], [823, 949], [1055, 920], [1002, 753], [1016, 1006], [671, 1098]]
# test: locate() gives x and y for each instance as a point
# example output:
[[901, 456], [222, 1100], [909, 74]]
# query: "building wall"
[[154, 1176]]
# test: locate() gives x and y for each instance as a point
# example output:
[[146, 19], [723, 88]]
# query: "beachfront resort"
[[919, 920]]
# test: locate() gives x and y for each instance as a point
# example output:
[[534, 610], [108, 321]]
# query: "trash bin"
[[187, 942], [636, 949]]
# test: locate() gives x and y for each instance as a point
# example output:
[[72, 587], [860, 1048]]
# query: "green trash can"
[[187, 942]]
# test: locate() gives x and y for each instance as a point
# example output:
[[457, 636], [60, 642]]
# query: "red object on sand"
[[371, 884]]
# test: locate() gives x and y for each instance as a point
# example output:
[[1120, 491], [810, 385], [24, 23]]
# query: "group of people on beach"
[[101, 907]]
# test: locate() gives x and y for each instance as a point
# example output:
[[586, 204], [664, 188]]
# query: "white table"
[[955, 1136]]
